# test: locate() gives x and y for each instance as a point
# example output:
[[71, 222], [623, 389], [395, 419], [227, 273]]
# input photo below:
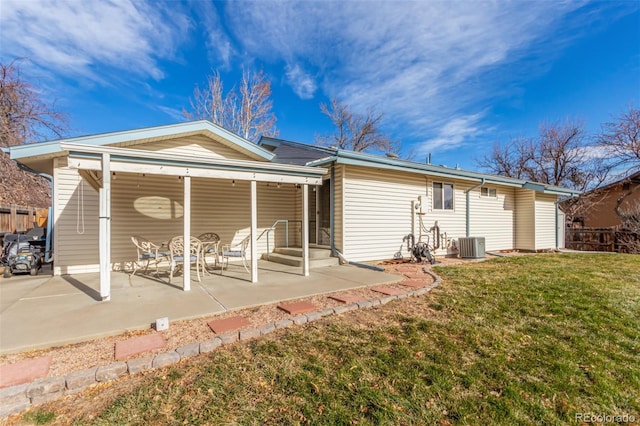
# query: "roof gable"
[[147, 135]]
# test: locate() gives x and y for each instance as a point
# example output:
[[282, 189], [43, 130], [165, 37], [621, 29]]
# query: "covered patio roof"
[[107, 160], [99, 157]]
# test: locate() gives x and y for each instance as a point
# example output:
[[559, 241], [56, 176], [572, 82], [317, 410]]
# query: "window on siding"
[[488, 192], [442, 196]]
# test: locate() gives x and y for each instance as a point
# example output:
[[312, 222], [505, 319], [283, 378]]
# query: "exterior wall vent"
[[471, 248]]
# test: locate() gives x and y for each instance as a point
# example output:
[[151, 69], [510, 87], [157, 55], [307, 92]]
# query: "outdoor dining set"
[[205, 252]]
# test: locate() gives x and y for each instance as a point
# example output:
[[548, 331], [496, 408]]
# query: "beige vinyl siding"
[[378, 214], [194, 145], [545, 221], [493, 217], [451, 222], [525, 222], [340, 207], [75, 216]]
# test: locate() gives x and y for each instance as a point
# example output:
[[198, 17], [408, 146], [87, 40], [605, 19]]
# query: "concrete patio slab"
[[45, 311]]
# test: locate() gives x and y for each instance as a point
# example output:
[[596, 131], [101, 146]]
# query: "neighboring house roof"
[[289, 151], [632, 178], [144, 135]]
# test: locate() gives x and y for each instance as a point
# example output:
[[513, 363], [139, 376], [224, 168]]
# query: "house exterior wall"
[[75, 218], [525, 223], [493, 217], [545, 221], [378, 213], [602, 213], [152, 206]]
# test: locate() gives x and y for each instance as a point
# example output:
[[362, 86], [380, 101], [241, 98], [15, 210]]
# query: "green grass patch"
[[40, 417], [521, 340]]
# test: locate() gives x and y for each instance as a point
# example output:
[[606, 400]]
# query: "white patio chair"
[[235, 250], [210, 246], [148, 253], [176, 250]]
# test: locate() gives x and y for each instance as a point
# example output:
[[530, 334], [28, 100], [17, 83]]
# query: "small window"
[[488, 192], [442, 196], [626, 186]]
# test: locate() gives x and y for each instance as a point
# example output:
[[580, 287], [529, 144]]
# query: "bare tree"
[[621, 139], [355, 131], [24, 118], [512, 159], [561, 155], [246, 112]]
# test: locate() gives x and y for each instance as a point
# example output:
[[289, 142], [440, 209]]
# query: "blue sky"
[[452, 78]]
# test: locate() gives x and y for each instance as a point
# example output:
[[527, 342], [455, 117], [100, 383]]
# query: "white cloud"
[[174, 113], [84, 38], [302, 83], [421, 63], [452, 135]]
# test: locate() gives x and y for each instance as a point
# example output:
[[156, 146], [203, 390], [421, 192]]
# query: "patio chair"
[[176, 250], [236, 250], [210, 246], [148, 253]]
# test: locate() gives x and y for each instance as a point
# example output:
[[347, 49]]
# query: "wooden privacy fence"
[[614, 239], [15, 218]]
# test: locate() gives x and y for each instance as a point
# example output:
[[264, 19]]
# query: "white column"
[[104, 237], [305, 230], [186, 269], [318, 214], [254, 230]]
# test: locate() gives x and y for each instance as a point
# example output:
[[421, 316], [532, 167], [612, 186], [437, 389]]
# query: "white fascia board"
[[399, 165], [119, 166], [173, 130], [141, 156], [189, 164]]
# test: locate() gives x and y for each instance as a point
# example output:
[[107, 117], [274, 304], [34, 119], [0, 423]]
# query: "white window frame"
[[487, 192], [442, 192]]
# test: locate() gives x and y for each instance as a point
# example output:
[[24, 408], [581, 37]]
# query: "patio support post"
[[104, 237], [305, 230], [318, 188], [186, 268], [254, 230]]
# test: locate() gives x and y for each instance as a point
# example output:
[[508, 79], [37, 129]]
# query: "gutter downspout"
[[332, 197], [468, 214], [48, 257]]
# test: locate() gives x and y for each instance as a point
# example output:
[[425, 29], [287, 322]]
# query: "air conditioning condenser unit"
[[471, 248]]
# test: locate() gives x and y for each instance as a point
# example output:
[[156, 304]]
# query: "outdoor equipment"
[[23, 253]]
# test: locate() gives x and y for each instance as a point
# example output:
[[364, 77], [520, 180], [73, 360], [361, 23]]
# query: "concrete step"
[[314, 253], [286, 259]]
